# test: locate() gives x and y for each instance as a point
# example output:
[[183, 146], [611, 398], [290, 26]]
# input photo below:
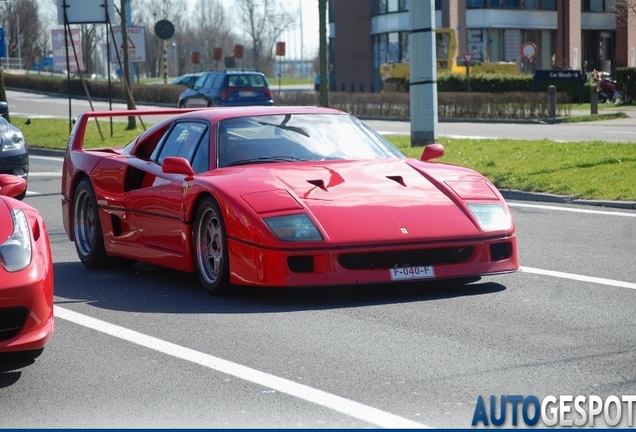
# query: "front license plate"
[[422, 272]]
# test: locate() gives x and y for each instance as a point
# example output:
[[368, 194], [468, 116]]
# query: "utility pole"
[[423, 76], [324, 77], [132, 123]]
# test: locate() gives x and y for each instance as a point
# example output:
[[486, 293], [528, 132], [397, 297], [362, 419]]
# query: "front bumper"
[[26, 306], [251, 265], [16, 163]]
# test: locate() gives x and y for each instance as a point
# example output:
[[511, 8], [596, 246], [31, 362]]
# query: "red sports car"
[[26, 274], [280, 196]]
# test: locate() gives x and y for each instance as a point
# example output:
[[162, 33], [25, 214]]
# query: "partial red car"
[[26, 274], [280, 197]]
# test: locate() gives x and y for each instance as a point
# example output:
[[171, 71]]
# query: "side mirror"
[[177, 165], [12, 186], [432, 151], [4, 108]]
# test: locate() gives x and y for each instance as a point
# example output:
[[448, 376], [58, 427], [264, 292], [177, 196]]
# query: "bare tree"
[[213, 30], [264, 21], [23, 27], [148, 13]]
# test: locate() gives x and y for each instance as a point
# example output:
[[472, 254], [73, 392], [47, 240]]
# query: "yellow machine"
[[396, 75]]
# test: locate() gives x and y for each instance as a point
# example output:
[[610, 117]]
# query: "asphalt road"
[[395, 354], [147, 347], [618, 130]]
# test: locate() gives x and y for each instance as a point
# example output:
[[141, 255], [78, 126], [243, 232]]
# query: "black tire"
[[23, 194], [87, 229], [210, 248]]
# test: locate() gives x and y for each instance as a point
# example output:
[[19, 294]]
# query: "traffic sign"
[[136, 44], [468, 57], [529, 50], [164, 29], [2, 53]]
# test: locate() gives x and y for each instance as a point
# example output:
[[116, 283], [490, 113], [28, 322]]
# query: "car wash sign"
[[136, 44]]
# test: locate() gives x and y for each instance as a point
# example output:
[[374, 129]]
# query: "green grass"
[[591, 170], [594, 117], [273, 81], [54, 133]]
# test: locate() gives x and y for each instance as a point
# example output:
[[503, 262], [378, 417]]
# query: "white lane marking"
[[573, 210], [31, 193], [591, 279], [345, 406], [45, 174], [48, 158]]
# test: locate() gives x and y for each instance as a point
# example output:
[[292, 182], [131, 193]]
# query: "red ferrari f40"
[[280, 197]]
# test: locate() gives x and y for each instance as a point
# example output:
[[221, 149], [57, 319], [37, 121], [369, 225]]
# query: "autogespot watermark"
[[562, 410]]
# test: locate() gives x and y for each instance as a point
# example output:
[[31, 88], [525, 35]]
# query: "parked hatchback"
[[227, 88]]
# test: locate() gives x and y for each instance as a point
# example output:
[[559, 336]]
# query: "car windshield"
[[299, 137]]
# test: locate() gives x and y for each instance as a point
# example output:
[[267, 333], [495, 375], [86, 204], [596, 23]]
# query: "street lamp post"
[[174, 52]]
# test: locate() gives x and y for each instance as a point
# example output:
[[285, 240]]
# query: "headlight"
[[15, 253], [12, 141], [491, 217], [296, 227]]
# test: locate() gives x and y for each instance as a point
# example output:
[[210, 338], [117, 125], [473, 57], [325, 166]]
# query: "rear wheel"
[[210, 248], [87, 230]]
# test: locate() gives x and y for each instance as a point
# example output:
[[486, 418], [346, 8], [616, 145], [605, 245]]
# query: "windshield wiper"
[[266, 159], [283, 125]]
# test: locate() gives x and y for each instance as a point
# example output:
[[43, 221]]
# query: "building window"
[[598, 5], [393, 6], [548, 4], [531, 4], [381, 7], [404, 47], [470, 4]]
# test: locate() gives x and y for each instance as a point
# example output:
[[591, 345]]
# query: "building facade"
[[568, 34]]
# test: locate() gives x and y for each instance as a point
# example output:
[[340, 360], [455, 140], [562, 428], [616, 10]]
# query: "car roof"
[[237, 72]]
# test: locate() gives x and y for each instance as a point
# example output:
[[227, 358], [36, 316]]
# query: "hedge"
[[453, 101]]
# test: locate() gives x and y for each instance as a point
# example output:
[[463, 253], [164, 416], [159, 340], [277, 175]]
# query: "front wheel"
[[210, 248]]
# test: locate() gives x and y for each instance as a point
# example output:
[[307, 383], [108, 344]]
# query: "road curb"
[[519, 195], [509, 194]]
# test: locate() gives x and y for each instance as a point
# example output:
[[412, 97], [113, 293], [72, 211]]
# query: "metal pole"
[[423, 75], [164, 47], [174, 49], [19, 44]]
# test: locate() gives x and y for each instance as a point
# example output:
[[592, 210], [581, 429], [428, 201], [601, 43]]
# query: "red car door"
[[157, 204]]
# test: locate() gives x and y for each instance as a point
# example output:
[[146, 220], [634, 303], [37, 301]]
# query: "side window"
[[181, 141], [191, 140], [209, 83], [201, 160], [218, 83], [199, 83]]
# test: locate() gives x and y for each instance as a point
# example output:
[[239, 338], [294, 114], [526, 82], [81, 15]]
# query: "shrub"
[[626, 83]]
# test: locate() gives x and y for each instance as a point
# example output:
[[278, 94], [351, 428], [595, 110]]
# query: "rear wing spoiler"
[[76, 137]]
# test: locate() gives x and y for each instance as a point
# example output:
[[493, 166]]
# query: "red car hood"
[[371, 201]]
